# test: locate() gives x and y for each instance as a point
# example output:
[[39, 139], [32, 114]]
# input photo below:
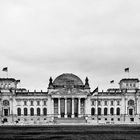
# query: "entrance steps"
[[70, 120]]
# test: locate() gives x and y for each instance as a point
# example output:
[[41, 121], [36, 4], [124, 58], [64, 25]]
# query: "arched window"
[[19, 111], [118, 111], [131, 111], [38, 111], [131, 102], [32, 112], [92, 111], [25, 112], [44, 111], [112, 111], [99, 111], [105, 111]]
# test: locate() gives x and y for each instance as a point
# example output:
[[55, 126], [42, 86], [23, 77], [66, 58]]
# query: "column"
[[96, 107], [72, 107], [136, 110], [52, 103], [79, 107], [65, 107], [59, 108], [84, 107], [125, 109]]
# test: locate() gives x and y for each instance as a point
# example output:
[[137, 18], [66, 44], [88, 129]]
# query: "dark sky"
[[94, 38]]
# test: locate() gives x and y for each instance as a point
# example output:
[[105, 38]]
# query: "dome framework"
[[67, 79]]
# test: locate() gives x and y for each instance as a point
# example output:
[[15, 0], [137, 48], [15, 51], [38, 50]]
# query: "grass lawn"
[[72, 132]]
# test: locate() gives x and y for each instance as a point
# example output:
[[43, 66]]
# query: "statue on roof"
[[87, 83], [50, 83]]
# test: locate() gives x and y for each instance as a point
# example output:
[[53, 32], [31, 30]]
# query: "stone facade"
[[68, 100]]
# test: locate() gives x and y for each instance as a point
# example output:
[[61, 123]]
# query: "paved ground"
[[71, 132]]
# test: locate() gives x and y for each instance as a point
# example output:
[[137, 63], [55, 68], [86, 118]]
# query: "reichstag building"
[[69, 100]]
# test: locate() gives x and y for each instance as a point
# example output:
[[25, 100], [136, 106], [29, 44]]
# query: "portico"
[[68, 95], [69, 107]]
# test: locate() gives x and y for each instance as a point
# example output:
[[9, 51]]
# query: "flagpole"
[[97, 105], [97, 109], [112, 83], [5, 69], [127, 70], [128, 74]]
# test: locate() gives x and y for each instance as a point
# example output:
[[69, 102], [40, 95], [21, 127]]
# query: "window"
[[9, 85], [134, 85], [6, 112], [32, 112], [32, 103], [99, 111], [25, 112], [38, 111], [93, 103], [130, 111], [105, 102], [99, 102], [44, 102], [19, 111], [38, 102], [82, 102], [105, 111], [118, 119], [92, 111], [132, 119], [112, 103], [5, 86], [112, 119], [112, 111], [118, 111], [44, 111], [25, 102], [118, 102]]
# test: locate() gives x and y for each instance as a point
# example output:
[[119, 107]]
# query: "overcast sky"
[[94, 38]]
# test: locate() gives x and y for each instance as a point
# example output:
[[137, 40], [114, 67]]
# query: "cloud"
[[90, 38]]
